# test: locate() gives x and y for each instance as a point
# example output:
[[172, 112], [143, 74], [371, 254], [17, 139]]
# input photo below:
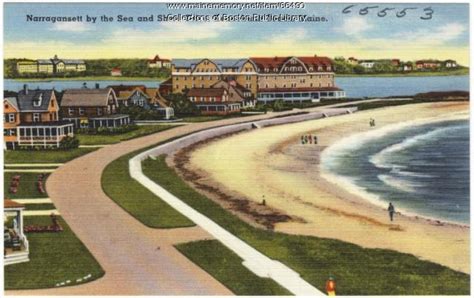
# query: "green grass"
[[228, 269], [100, 139], [137, 200], [44, 156], [202, 118], [27, 187], [54, 258], [45, 206], [358, 270]]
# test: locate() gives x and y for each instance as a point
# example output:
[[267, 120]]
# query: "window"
[[81, 111], [70, 111], [11, 117], [36, 117], [99, 111]]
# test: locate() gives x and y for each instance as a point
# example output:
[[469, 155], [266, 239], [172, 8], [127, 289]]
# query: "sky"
[[444, 36]]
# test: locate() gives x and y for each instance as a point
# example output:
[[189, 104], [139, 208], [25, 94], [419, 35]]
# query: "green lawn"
[[137, 200], [45, 206], [44, 156], [101, 139], [228, 269], [358, 271], [27, 187], [54, 258], [202, 118]]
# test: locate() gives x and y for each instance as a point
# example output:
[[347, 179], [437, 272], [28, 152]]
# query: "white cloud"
[[292, 34], [354, 26], [171, 33], [438, 35], [71, 27]]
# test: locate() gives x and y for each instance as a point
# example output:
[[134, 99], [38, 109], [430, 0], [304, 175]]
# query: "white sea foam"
[[329, 158], [382, 158], [399, 183]]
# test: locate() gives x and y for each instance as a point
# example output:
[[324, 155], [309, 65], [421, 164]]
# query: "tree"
[[182, 105]]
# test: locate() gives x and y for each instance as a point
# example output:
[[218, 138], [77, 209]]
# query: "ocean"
[[422, 169], [355, 87]]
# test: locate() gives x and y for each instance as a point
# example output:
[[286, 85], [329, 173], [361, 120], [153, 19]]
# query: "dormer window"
[[37, 101]]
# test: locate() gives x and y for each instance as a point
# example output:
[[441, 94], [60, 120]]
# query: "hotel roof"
[[13, 102], [221, 63]]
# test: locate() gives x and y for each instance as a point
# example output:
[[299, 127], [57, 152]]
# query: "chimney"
[[97, 86], [25, 88]]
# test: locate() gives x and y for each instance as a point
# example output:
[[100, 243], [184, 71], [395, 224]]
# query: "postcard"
[[236, 148]]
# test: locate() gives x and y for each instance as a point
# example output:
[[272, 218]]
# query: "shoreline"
[[288, 176], [370, 135], [88, 78]]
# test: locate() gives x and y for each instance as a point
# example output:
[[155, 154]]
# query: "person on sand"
[[315, 140], [302, 140], [310, 139], [391, 210]]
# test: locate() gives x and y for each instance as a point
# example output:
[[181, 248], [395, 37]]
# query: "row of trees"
[[95, 67]]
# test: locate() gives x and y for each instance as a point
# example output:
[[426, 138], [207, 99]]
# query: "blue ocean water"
[[355, 87], [421, 169]]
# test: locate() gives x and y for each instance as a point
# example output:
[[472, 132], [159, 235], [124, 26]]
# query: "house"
[[15, 244], [408, 66], [213, 101], [427, 64], [203, 73], [369, 64], [130, 95], [50, 66], [450, 64], [159, 103], [352, 61], [395, 62], [166, 87], [37, 122], [116, 72], [302, 78], [27, 66], [237, 93], [11, 120], [92, 108], [157, 62], [295, 79]]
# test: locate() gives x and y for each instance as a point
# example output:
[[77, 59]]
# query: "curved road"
[[125, 248]]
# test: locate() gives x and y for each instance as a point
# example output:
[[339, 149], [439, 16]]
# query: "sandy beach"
[[271, 164]]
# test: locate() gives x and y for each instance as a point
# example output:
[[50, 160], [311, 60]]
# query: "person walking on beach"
[[310, 139], [391, 210], [302, 140], [315, 139]]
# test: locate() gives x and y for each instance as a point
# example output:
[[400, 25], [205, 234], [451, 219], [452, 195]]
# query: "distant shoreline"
[[461, 72], [89, 78]]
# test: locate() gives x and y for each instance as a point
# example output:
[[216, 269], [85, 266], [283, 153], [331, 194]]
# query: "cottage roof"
[[206, 92], [9, 204], [120, 88], [86, 97], [13, 102], [27, 97]]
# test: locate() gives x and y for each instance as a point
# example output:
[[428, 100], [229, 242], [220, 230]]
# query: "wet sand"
[[271, 164]]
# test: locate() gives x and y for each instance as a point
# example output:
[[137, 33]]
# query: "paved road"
[[125, 248]]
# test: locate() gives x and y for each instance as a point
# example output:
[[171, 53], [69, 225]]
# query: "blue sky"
[[446, 35]]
